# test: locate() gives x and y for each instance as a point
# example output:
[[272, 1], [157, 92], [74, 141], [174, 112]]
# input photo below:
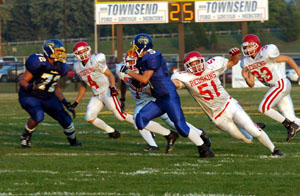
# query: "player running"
[[141, 95], [154, 71], [263, 63], [201, 79]]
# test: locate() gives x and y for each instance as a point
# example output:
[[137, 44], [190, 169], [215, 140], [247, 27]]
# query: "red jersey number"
[[208, 92], [263, 70], [92, 82]]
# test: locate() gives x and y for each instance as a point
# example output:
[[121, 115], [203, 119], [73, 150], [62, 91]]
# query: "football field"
[[104, 166]]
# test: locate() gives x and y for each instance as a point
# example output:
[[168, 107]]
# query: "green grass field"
[[104, 166]]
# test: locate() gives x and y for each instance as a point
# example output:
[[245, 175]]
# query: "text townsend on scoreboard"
[[143, 12]]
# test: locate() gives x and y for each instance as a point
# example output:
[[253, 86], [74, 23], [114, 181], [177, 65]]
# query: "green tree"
[[290, 26], [20, 27], [213, 38]]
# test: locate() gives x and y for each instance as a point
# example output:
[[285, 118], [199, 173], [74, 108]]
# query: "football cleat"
[[25, 139], [116, 134], [292, 128], [171, 138], [261, 125], [74, 142], [205, 138], [276, 153], [151, 148], [205, 152]]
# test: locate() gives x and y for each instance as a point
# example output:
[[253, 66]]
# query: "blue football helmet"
[[54, 49], [141, 42]]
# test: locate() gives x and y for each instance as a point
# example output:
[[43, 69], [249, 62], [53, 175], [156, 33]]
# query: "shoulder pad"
[[216, 62], [100, 57], [270, 51], [34, 62]]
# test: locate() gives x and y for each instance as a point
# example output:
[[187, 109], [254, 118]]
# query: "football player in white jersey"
[[201, 79], [93, 71], [142, 95], [263, 63]]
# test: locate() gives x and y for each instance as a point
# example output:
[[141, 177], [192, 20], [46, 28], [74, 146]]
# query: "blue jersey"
[[45, 73], [160, 80]]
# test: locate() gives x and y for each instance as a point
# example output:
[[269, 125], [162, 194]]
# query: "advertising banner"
[[131, 13], [231, 11]]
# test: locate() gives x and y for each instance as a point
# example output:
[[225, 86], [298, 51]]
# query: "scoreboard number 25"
[[181, 12]]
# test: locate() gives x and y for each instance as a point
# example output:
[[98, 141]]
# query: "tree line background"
[[23, 20]]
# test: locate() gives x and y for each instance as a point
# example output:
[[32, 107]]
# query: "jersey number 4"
[[208, 92], [92, 82]]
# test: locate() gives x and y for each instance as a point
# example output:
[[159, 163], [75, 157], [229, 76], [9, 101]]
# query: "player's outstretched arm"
[[176, 83], [234, 57], [290, 61], [58, 93], [143, 78], [81, 93]]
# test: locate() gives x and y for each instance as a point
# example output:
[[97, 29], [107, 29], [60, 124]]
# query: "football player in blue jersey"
[[40, 92], [154, 71]]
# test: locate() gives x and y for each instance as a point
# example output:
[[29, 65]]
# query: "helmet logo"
[[143, 39], [51, 44]]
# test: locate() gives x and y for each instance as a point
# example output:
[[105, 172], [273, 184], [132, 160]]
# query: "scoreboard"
[[181, 12], [141, 12]]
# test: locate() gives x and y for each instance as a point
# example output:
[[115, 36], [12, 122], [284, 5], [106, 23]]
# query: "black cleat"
[[25, 139], [261, 125], [205, 138], [276, 153], [205, 152], [74, 142], [116, 134], [292, 131], [151, 148], [171, 138], [292, 128]]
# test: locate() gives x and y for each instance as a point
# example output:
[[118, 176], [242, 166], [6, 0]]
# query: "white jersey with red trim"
[[207, 89], [264, 66], [138, 95], [92, 73]]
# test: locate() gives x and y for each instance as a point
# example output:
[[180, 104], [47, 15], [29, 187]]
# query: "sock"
[[29, 130], [194, 128], [195, 138], [70, 131], [102, 125], [265, 140], [148, 137], [275, 115]]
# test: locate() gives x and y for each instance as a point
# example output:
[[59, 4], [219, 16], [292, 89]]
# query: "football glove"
[[113, 91], [122, 104], [74, 105], [124, 69], [234, 51], [35, 85], [69, 107]]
